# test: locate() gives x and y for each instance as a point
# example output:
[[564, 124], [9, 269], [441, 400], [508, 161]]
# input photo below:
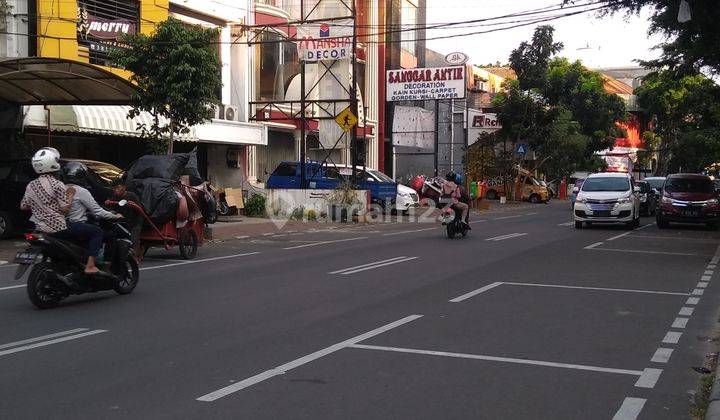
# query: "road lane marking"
[[686, 311], [671, 237], [619, 236], [504, 237], [708, 272], [680, 323], [503, 359], [409, 231], [508, 217], [478, 221], [702, 285], [326, 243], [155, 267], [645, 226], [8, 265], [373, 265], [567, 224], [711, 266], [41, 338], [649, 378], [662, 355], [672, 337], [50, 342], [596, 244], [630, 409], [705, 278], [715, 260], [698, 292], [605, 289], [17, 286], [637, 251], [476, 292], [282, 369], [692, 301]]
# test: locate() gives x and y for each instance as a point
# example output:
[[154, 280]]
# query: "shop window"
[[277, 63]]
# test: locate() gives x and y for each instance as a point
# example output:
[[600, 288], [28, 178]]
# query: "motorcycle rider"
[[133, 217], [452, 191], [82, 204]]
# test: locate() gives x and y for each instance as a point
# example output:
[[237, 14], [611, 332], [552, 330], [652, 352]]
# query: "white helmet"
[[46, 160]]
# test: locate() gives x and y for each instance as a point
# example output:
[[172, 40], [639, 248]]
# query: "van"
[[527, 187]]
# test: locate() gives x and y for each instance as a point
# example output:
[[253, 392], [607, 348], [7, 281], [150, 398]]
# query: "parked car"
[[656, 182], [688, 198], [648, 198], [525, 184], [16, 174], [288, 176], [405, 199], [607, 197]]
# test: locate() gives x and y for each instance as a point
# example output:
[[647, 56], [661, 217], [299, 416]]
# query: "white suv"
[[607, 197]]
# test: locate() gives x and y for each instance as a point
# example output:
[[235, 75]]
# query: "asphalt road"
[[526, 318]]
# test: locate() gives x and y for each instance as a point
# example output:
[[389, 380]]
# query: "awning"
[[56, 81], [113, 121]]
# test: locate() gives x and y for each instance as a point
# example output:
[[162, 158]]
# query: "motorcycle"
[[451, 218], [60, 272]]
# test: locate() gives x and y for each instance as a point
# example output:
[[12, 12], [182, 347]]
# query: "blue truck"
[[287, 176]]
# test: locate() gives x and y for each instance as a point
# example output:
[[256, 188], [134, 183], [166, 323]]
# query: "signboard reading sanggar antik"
[[426, 84]]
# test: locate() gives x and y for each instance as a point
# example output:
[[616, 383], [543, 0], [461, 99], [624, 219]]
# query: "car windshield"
[[655, 183], [381, 176], [689, 185], [643, 186], [608, 183]]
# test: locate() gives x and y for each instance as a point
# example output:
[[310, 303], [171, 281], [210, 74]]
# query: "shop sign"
[[325, 41], [426, 84], [481, 123], [89, 25], [456, 59]]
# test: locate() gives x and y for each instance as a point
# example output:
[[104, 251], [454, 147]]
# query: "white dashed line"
[[649, 378], [630, 409], [698, 292], [686, 311], [672, 337], [702, 285], [680, 323], [596, 244], [692, 301], [662, 355]]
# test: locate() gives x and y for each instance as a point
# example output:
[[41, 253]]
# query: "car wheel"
[[578, 225], [6, 225], [534, 198]]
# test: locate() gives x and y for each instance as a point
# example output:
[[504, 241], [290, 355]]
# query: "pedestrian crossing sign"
[[346, 119], [521, 149]]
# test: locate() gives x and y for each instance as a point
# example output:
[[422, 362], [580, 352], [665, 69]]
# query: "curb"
[[713, 410]]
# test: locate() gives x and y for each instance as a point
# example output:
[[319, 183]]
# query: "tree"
[[691, 45], [530, 60], [686, 112], [177, 71]]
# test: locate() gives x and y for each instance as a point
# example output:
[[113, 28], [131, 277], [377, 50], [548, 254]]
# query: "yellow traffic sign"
[[346, 119]]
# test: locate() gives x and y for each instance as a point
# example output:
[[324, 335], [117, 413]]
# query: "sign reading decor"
[[426, 83], [89, 25], [325, 41]]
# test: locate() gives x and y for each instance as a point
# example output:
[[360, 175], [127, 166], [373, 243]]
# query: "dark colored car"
[[655, 182], [16, 174], [648, 198], [688, 198]]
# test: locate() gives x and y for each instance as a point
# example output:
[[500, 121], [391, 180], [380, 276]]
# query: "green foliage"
[[255, 206], [686, 111], [690, 46], [177, 71], [480, 160], [530, 60]]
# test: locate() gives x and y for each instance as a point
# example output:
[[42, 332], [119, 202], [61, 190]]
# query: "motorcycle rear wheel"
[[130, 277], [40, 290]]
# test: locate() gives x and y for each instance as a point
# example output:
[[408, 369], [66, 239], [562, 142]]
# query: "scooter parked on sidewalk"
[[60, 272]]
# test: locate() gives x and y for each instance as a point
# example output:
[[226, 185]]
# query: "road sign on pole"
[[346, 119], [521, 149]]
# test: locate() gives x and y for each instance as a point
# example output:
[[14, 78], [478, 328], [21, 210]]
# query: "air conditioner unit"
[[231, 113]]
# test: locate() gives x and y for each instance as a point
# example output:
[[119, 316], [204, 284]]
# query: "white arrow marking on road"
[[503, 237], [630, 409], [373, 265], [49, 342]]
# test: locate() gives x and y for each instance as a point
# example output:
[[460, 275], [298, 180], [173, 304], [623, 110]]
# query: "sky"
[[612, 41]]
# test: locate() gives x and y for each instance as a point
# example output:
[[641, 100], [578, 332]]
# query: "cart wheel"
[[188, 244]]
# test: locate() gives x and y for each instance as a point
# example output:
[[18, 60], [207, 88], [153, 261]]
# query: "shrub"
[[255, 206]]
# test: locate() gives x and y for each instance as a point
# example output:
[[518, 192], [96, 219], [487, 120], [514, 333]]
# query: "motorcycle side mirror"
[[122, 203]]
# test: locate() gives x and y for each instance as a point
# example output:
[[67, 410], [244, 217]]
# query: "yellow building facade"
[[82, 30]]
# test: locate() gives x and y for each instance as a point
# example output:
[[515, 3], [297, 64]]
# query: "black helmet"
[[451, 176], [75, 173]]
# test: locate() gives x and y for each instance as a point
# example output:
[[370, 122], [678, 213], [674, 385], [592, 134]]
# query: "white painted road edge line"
[[672, 337], [619, 236], [685, 311], [508, 217], [282, 369], [649, 378], [606, 289], [662, 355], [476, 292], [326, 243], [680, 323], [155, 267], [41, 338], [705, 278], [637, 251], [692, 301], [702, 285], [630, 409], [594, 245], [49, 342], [374, 266], [645, 226], [642, 374], [409, 231]]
